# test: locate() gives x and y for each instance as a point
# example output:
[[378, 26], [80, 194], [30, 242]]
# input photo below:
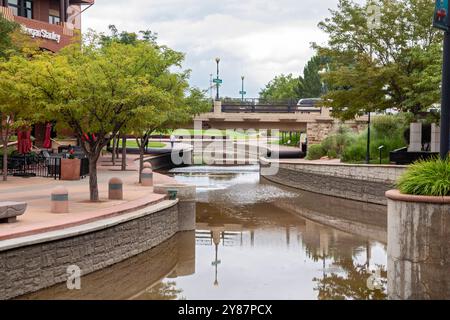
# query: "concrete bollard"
[[147, 165], [115, 189], [60, 200], [147, 177]]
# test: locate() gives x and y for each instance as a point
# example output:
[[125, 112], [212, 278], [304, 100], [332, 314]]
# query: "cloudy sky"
[[255, 38]]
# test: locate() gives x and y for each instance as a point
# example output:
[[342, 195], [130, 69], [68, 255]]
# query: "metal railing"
[[40, 166], [256, 105]]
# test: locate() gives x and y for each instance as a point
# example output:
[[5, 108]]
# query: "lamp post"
[[445, 104], [441, 21], [242, 90], [368, 142], [217, 82]]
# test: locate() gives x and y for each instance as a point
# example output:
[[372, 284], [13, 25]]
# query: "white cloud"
[[256, 38]]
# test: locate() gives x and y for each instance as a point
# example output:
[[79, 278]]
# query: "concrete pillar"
[[186, 195], [147, 177], [415, 140], [418, 237], [115, 189], [59, 200], [217, 106], [435, 138]]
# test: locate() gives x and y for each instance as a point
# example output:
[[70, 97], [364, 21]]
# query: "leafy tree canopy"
[[393, 64]]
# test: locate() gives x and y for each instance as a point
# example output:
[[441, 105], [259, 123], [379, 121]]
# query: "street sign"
[[441, 15], [218, 81], [242, 92]]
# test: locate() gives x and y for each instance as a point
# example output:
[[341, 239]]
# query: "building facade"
[[52, 23]]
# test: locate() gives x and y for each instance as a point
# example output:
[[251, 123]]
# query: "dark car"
[[310, 105]]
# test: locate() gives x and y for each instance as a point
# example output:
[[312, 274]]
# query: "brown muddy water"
[[254, 240]]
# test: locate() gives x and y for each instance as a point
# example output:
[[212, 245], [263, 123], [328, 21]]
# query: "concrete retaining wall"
[[32, 263], [367, 183], [418, 250]]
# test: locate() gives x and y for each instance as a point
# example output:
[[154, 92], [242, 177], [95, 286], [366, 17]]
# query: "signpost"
[[218, 81], [441, 20]]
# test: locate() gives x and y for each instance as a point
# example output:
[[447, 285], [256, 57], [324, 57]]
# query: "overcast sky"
[[255, 38]]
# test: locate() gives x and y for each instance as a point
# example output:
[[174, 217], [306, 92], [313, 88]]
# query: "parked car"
[[310, 105]]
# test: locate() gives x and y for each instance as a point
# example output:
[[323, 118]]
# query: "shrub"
[[315, 151], [332, 154], [426, 178]]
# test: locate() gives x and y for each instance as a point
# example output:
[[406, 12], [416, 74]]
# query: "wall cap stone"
[[396, 195]]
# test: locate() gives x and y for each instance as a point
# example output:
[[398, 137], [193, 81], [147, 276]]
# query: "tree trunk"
[[93, 184], [124, 153], [113, 158], [117, 147], [5, 160]]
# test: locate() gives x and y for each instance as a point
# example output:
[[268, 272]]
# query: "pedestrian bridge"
[[257, 114]]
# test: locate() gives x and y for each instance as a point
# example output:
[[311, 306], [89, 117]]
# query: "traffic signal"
[[441, 15]]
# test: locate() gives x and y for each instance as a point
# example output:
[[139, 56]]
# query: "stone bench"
[[9, 211]]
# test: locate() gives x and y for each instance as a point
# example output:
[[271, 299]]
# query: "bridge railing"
[[263, 106]]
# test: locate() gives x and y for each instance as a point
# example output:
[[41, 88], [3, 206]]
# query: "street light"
[[242, 90], [368, 142], [217, 82]]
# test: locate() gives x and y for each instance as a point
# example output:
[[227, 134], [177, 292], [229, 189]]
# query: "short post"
[[147, 177], [115, 189], [381, 153], [147, 165], [60, 200]]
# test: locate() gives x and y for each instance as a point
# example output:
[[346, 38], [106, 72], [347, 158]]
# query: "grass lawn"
[[131, 143]]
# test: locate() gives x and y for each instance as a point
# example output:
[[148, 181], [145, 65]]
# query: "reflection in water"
[[254, 242]]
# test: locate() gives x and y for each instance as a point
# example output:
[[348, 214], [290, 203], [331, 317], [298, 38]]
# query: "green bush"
[[426, 178], [332, 154], [315, 151]]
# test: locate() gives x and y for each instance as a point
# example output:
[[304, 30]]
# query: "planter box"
[[418, 246], [70, 169]]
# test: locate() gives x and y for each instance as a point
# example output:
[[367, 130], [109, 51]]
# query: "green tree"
[[15, 104], [97, 90], [395, 64], [310, 84], [15, 109], [7, 30], [174, 103], [282, 87]]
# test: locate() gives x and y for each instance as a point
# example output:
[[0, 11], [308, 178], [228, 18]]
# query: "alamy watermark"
[[228, 147], [73, 277]]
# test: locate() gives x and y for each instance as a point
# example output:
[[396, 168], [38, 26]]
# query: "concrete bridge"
[[285, 116]]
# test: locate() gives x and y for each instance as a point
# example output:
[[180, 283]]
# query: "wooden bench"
[[9, 211]]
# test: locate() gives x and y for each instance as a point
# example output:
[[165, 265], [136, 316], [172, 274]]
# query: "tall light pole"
[[217, 82], [441, 21], [445, 104], [242, 89]]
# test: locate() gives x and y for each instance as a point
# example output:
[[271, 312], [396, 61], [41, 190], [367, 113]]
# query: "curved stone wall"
[[366, 183], [31, 263]]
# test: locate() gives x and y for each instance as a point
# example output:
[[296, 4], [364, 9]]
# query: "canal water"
[[254, 240]]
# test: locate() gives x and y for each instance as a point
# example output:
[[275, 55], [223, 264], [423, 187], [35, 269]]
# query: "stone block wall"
[[364, 183], [31, 268]]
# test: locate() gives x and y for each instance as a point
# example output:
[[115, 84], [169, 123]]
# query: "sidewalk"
[[36, 193]]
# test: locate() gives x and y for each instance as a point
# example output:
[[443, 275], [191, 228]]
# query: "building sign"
[[441, 15], [42, 33]]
